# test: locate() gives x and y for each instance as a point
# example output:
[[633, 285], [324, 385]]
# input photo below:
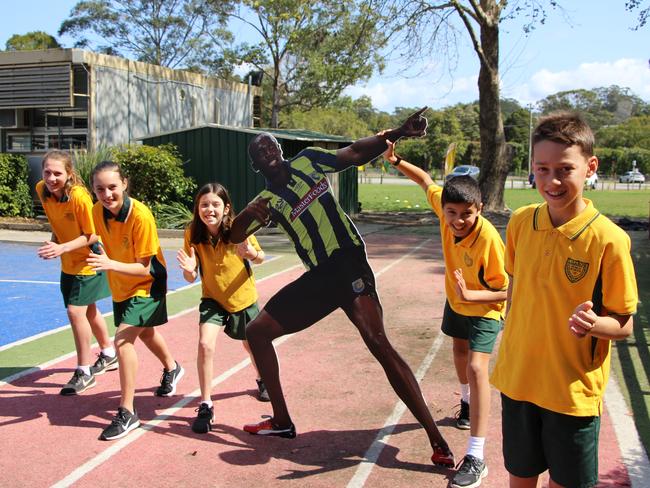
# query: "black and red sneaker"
[[442, 456], [266, 427]]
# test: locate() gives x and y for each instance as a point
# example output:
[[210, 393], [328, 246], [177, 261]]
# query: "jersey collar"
[[122, 214], [571, 229]]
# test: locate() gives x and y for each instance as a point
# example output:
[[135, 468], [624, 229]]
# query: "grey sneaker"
[[262, 394], [103, 364], [470, 473], [78, 383], [462, 416], [123, 423], [169, 380]]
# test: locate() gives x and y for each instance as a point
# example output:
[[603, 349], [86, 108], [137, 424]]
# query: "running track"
[[351, 429]]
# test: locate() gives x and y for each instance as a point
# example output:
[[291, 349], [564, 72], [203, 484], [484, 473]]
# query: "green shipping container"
[[219, 153]]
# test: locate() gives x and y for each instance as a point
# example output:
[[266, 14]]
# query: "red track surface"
[[338, 396]]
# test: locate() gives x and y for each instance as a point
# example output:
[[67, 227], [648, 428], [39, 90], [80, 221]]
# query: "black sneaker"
[[262, 394], [79, 382], [462, 416], [123, 423], [470, 473], [203, 422], [103, 364], [169, 380]]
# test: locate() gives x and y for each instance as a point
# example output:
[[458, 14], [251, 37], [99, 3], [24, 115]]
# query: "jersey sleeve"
[[434, 197], [620, 294], [82, 207], [145, 236], [323, 158], [495, 275]]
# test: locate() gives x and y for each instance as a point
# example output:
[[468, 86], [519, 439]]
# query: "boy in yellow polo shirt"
[[572, 291], [475, 283]]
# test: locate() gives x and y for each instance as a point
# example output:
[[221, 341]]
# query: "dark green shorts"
[[536, 439], [83, 289], [140, 312], [211, 312], [481, 332]]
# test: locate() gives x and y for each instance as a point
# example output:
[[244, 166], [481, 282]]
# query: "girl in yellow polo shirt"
[[137, 276], [229, 296], [68, 207]]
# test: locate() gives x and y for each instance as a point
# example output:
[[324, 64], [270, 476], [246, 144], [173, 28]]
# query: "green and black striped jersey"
[[306, 210]]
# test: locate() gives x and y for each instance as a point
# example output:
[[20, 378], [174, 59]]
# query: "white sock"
[[207, 402], [475, 447], [464, 392], [109, 351], [85, 369]]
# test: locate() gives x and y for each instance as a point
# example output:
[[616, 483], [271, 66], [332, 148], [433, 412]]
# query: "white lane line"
[[372, 454], [32, 282], [116, 447], [633, 453], [96, 461]]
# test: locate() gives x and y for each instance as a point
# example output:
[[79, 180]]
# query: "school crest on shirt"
[[575, 270], [468, 260]]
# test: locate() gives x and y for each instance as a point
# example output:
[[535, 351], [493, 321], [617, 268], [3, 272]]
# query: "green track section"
[[38, 351]]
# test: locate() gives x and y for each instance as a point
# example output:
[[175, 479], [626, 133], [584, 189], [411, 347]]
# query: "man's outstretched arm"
[[366, 149]]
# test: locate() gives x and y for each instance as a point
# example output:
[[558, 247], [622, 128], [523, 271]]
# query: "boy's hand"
[[389, 155], [187, 262], [259, 210], [583, 319], [461, 286], [50, 250]]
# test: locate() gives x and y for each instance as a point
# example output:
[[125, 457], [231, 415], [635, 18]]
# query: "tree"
[[327, 120], [31, 41], [644, 11], [310, 50], [172, 33], [430, 25]]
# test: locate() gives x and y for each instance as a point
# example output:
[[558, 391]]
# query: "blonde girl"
[[229, 296], [137, 275], [68, 208]]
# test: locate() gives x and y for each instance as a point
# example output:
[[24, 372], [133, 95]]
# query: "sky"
[[590, 44]]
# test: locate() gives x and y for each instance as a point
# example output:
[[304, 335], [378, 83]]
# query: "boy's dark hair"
[[461, 189], [568, 128]]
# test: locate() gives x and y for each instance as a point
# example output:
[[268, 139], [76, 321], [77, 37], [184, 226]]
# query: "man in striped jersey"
[[298, 199]]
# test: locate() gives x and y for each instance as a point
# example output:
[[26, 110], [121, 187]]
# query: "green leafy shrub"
[[15, 200], [155, 175], [85, 161], [173, 216]]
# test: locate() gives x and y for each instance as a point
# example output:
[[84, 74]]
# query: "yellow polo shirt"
[[554, 270], [70, 217], [479, 254], [130, 235], [225, 277]]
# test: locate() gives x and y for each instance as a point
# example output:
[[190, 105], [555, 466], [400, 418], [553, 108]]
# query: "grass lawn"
[[410, 198]]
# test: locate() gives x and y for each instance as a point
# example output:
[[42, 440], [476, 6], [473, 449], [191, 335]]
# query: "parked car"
[[592, 181], [631, 177], [464, 170]]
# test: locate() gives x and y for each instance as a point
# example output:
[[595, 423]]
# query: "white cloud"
[[387, 93]]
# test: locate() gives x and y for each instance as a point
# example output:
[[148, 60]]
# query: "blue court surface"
[[30, 298]]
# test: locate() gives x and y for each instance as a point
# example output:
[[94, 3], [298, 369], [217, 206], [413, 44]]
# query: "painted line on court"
[[31, 282], [635, 458], [372, 454], [105, 455], [51, 362]]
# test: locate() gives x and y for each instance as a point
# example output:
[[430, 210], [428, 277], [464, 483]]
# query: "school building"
[[76, 99]]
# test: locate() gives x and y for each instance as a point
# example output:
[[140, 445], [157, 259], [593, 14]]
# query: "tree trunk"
[[494, 165]]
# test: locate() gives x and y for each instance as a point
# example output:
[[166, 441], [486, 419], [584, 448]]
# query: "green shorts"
[[140, 312], [211, 312], [536, 439], [481, 332], [83, 289]]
